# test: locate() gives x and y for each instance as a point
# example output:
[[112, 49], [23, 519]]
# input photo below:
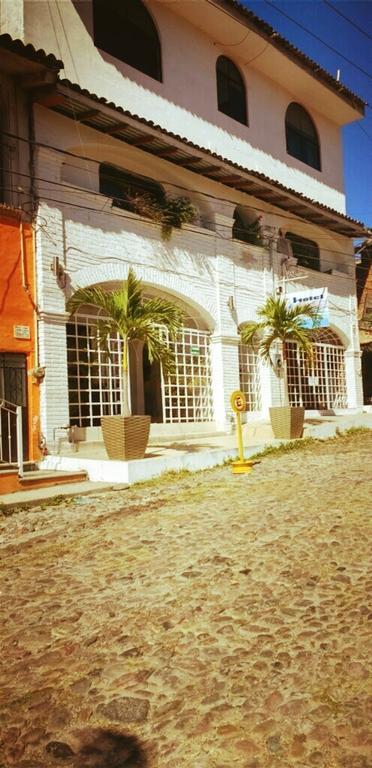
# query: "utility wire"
[[208, 233], [349, 21], [272, 208], [305, 29]]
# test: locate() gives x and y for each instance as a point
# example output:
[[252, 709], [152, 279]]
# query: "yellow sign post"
[[238, 404]]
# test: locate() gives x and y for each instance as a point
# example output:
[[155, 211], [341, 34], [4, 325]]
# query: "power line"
[[349, 21], [207, 233], [272, 208], [305, 29]]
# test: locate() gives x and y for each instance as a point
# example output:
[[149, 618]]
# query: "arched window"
[[125, 29], [132, 193], [305, 251], [321, 382], [247, 226], [231, 95], [301, 136]]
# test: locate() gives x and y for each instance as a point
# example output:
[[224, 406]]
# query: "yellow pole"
[[240, 436]]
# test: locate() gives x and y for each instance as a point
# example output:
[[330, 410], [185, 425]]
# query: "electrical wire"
[[349, 21], [207, 233], [316, 37], [272, 209]]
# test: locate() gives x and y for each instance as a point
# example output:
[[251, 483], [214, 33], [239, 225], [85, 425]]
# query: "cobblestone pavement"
[[222, 619]]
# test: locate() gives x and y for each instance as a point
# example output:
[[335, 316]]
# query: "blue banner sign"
[[318, 297]]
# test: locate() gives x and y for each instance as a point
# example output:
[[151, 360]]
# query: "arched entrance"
[[321, 383], [94, 376]]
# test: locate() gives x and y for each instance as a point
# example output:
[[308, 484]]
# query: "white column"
[[54, 405], [354, 383], [225, 377]]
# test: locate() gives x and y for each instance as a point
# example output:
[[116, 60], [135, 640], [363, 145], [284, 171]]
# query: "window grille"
[[249, 374], [187, 394], [94, 377], [321, 383]]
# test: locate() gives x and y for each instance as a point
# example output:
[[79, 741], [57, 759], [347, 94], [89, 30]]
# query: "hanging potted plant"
[[134, 318], [279, 325], [169, 212]]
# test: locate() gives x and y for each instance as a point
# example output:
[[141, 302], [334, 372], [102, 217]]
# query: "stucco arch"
[[168, 282], [334, 329]]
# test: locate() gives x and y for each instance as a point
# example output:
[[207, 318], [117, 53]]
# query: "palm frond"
[[250, 332]]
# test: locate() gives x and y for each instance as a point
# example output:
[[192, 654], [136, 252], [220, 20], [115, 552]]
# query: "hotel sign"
[[318, 297]]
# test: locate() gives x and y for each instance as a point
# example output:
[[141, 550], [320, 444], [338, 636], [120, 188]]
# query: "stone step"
[[10, 482], [42, 478], [34, 496]]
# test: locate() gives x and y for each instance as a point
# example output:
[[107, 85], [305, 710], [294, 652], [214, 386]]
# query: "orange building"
[[20, 377]]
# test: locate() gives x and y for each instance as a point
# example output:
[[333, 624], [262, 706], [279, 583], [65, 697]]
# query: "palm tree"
[[282, 323], [126, 312]]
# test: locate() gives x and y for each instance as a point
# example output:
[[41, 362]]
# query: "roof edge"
[[28, 51], [364, 232], [282, 44]]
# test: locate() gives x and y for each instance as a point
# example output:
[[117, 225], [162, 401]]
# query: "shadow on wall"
[[99, 748], [114, 223]]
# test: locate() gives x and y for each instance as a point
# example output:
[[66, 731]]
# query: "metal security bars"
[[11, 437], [249, 374], [94, 377], [187, 395], [321, 383]]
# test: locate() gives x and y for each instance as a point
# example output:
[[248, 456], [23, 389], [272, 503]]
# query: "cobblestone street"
[[222, 619]]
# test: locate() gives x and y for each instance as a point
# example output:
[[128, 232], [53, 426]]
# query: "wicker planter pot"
[[287, 421], [125, 437]]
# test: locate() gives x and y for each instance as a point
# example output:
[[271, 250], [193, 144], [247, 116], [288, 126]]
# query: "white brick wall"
[[221, 280]]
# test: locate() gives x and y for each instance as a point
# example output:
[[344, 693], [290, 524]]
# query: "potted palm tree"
[[136, 319], [281, 323]]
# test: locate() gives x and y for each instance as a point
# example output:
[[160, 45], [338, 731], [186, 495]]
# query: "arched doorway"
[[321, 383], [94, 376]]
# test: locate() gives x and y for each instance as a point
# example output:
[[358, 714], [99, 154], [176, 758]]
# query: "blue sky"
[[322, 18]]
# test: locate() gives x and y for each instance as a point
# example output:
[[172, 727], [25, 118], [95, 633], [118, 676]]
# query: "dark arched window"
[[301, 136], [247, 226], [125, 29], [132, 193], [305, 251], [231, 95]]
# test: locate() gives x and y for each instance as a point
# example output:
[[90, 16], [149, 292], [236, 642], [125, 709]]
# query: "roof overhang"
[[262, 48], [70, 100], [32, 69]]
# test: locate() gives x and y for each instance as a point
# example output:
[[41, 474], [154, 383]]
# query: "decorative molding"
[[56, 318], [232, 341]]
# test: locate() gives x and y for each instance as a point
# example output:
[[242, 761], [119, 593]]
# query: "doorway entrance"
[[13, 389], [152, 388]]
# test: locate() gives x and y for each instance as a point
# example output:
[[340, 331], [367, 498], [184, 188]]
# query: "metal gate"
[[13, 390], [320, 383]]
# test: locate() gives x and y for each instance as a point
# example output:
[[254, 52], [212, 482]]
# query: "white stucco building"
[[199, 100]]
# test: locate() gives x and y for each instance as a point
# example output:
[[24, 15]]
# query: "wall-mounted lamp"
[[231, 303]]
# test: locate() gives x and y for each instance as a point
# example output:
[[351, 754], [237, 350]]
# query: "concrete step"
[[35, 496], [44, 478], [10, 482]]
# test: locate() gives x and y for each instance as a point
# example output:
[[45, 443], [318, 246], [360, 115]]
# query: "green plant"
[[127, 313], [170, 212], [280, 324], [175, 212]]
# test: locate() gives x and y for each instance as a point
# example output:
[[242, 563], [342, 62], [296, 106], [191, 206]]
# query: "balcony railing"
[[11, 436]]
